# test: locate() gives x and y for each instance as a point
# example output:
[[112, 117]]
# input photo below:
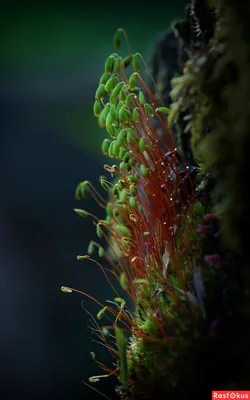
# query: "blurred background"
[[52, 57]]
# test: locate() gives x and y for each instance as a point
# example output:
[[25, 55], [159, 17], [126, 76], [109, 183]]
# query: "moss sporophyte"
[[153, 247]]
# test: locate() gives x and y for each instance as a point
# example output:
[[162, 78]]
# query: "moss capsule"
[[91, 248], [99, 230], [142, 144], [100, 92], [97, 108], [101, 313], [126, 158], [135, 115], [142, 99], [132, 202], [105, 146], [122, 135], [117, 65], [123, 195], [128, 100], [163, 110], [117, 89], [123, 281], [132, 81], [81, 213], [149, 109], [122, 152], [111, 83], [109, 64], [118, 39], [101, 252], [136, 62], [126, 61], [104, 79], [122, 114], [111, 151], [132, 191], [144, 170]]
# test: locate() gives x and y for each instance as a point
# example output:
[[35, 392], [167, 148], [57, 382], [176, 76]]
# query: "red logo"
[[230, 394]]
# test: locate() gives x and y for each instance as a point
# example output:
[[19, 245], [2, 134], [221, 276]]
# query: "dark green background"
[[52, 57]]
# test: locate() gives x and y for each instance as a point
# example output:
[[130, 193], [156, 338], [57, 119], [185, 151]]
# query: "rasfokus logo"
[[231, 394]]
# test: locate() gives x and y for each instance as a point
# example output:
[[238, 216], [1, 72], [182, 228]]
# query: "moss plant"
[[175, 212]]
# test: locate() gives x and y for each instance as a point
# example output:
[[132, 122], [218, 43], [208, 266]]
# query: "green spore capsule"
[[115, 191], [81, 213], [131, 179], [132, 202], [126, 158], [111, 130], [123, 94], [135, 115], [122, 114], [112, 113], [122, 166], [132, 81], [142, 144], [136, 90], [82, 190], [132, 136], [101, 252], [91, 248], [109, 209], [109, 64], [163, 110], [81, 258], [129, 167], [113, 100], [122, 135], [105, 331], [123, 195], [126, 61], [122, 183], [104, 79], [140, 282], [117, 65], [120, 301], [142, 99], [118, 39], [117, 89], [97, 108], [102, 119], [99, 231], [144, 170], [124, 230], [132, 190], [111, 83], [122, 152], [116, 148], [119, 106], [136, 62], [105, 146], [149, 109], [100, 92], [111, 149], [104, 185], [101, 313], [109, 119], [128, 100], [123, 281]]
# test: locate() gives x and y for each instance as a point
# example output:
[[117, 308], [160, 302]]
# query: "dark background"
[[52, 58]]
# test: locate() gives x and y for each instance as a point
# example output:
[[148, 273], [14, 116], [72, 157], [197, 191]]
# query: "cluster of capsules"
[[147, 202]]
